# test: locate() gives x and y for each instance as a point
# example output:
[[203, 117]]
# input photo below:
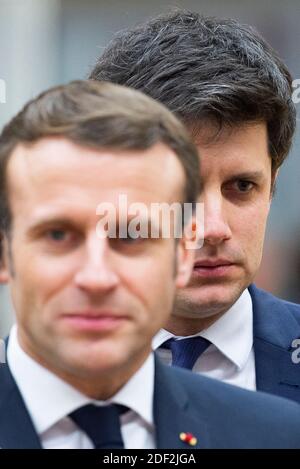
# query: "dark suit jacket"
[[218, 415], [276, 323]]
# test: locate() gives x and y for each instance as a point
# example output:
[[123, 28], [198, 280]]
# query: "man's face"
[[86, 305], [236, 192]]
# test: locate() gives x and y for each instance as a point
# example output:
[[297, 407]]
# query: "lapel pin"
[[188, 438]]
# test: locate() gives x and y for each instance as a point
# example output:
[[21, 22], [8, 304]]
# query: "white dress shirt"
[[50, 400], [230, 358]]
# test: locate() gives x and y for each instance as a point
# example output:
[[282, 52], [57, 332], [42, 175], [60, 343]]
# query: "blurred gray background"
[[46, 42]]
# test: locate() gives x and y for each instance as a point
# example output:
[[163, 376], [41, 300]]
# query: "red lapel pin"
[[188, 438]]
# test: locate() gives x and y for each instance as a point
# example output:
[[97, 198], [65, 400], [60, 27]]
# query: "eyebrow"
[[251, 175]]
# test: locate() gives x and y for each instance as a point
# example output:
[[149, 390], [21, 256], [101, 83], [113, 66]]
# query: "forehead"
[[56, 172], [242, 149]]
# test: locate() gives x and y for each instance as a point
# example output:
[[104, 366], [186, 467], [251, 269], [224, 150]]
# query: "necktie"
[[186, 351], [101, 424]]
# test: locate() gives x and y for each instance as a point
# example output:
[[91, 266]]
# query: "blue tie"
[[186, 351], [101, 424]]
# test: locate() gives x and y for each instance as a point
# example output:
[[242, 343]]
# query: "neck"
[[185, 326], [104, 385], [98, 384]]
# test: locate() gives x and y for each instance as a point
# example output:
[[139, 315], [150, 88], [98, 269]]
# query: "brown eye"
[[244, 186]]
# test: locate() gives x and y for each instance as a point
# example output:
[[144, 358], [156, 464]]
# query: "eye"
[[127, 235], [239, 187], [131, 240], [57, 235], [61, 238], [244, 185], [128, 243], [128, 240]]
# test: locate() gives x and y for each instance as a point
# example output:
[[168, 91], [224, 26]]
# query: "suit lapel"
[[173, 413], [16, 428], [274, 328]]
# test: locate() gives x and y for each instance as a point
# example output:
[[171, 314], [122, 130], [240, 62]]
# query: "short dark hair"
[[98, 115], [205, 68]]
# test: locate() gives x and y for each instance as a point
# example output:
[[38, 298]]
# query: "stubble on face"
[[237, 186], [72, 275]]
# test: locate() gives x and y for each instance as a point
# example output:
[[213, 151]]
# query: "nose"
[[96, 273], [216, 226]]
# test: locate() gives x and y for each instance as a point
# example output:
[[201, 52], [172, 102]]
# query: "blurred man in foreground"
[[89, 296]]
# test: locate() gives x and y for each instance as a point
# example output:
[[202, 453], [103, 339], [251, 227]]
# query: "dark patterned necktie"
[[101, 424], [185, 352]]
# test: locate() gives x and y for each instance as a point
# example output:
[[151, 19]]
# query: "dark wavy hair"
[[206, 68]]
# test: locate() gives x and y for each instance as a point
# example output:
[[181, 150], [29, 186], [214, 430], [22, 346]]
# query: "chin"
[[208, 300], [91, 368], [90, 358]]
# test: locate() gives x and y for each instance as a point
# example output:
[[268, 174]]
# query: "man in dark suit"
[[235, 95], [90, 294], [189, 412]]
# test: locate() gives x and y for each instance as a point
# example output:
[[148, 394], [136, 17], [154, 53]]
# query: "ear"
[[186, 249], [3, 264]]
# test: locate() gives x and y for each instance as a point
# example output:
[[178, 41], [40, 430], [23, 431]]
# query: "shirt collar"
[[49, 399], [231, 334]]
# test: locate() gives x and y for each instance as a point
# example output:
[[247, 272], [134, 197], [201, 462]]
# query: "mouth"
[[210, 268], [94, 321]]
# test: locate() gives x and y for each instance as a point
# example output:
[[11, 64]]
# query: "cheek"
[[38, 279], [252, 233], [151, 282]]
